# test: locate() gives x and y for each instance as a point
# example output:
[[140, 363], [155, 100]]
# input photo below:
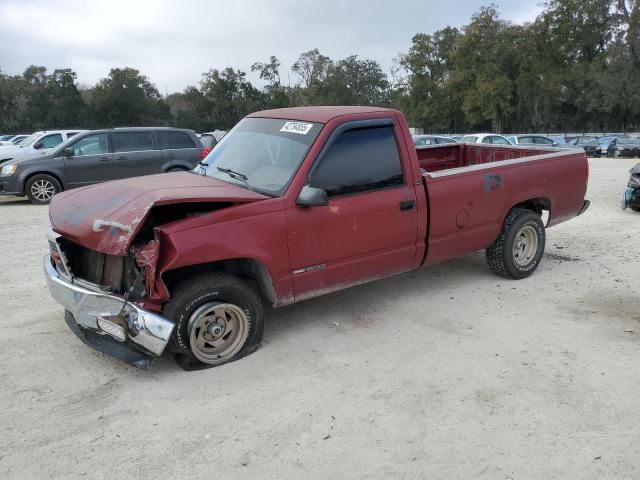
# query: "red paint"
[[354, 239], [147, 259], [106, 217]]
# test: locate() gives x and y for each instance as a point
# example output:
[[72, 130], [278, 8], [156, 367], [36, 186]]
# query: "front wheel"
[[40, 189], [517, 251], [219, 319]]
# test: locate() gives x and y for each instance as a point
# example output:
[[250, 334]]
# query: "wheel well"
[[175, 168], [248, 269], [535, 204], [26, 180]]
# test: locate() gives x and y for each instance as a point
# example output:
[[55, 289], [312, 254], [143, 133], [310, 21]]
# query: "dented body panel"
[[453, 201], [106, 217]]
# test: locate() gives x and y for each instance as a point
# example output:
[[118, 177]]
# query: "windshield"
[[587, 141], [29, 140], [468, 139], [261, 153], [627, 141]]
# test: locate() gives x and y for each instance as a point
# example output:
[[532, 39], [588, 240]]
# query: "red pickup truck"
[[291, 204]]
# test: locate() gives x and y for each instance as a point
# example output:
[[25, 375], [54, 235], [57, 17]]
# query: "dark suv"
[[98, 156]]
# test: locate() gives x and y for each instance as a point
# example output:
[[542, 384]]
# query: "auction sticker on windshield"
[[297, 127]]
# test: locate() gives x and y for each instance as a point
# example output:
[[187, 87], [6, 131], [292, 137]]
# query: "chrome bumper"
[[148, 331]]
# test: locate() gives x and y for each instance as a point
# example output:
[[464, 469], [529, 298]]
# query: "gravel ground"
[[445, 373]]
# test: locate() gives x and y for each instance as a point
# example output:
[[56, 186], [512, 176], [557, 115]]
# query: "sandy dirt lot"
[[445, 373]]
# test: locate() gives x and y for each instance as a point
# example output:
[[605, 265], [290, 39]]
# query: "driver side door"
[[91, 162]]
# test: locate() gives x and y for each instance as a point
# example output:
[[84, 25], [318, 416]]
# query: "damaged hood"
[[106, 217]]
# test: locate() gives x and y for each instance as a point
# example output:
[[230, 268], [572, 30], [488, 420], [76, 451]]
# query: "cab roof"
[[316, 114]]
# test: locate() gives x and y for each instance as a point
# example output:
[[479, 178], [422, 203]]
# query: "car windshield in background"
[[588, 141], [468, 139], [29, 140], [627, 141], [261, 154]]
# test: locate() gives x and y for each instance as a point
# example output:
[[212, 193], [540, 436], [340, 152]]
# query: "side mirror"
[[38, 145], [67, 152], [555, 144], [312, 197]]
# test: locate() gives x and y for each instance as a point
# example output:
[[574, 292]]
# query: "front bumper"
[[146, 334], [10, 186]]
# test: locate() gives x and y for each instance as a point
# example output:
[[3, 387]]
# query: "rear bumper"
[[585, 207], [146, 334]]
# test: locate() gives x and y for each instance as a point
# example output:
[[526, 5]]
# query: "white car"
[[36, 143], [490, 138], [12, 140]]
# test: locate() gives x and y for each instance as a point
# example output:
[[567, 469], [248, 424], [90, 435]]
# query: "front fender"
[[228, 235]]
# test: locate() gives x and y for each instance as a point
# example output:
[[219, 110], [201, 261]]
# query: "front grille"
[[106, 272]]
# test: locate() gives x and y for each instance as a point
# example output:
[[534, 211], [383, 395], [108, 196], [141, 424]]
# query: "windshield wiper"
[[238, 176], [233, 173]]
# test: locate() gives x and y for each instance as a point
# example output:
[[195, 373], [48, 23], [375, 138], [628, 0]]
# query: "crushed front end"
[[102, 296]]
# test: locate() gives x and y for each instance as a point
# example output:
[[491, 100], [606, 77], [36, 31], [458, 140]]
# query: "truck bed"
[[470, 188], [435, 158]]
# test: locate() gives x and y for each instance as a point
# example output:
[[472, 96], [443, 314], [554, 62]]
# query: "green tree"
[[276, 94], [127, 98], [229, 96], [67, 108]]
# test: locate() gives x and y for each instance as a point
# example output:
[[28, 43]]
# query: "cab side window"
[[500, 141], [95, 144], [51, 141], [132, 141], [360, 160]]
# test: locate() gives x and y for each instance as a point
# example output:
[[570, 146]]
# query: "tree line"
[[576, 67]]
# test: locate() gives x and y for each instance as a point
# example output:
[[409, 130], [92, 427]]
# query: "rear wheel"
[[40, 189], [517, 251], [219, 319]]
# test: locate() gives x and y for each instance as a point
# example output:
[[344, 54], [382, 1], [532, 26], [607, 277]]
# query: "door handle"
[[121, 158], [407, 205], [104, 159]]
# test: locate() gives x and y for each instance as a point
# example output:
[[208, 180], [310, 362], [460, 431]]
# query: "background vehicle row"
[[98, 156]]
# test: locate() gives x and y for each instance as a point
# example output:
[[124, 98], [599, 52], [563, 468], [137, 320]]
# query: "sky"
[[174, 41]]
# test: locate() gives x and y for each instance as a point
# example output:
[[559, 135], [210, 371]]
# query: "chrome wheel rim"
[[43, 190], [217, 331], [525, 246]]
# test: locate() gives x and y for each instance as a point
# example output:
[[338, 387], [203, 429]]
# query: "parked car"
[[534, 140], [38, 143], [558, 138], [211, 139], [101, 155], [604, 144], [623, 147], [12, 139], [299, 203], [490, 138], [589, 144], [424, 140]]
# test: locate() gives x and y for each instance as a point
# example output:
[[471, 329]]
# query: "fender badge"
[[312, 268]]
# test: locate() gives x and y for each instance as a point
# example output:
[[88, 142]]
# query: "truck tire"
[[219, 319], [41, 188], [517, 251]]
